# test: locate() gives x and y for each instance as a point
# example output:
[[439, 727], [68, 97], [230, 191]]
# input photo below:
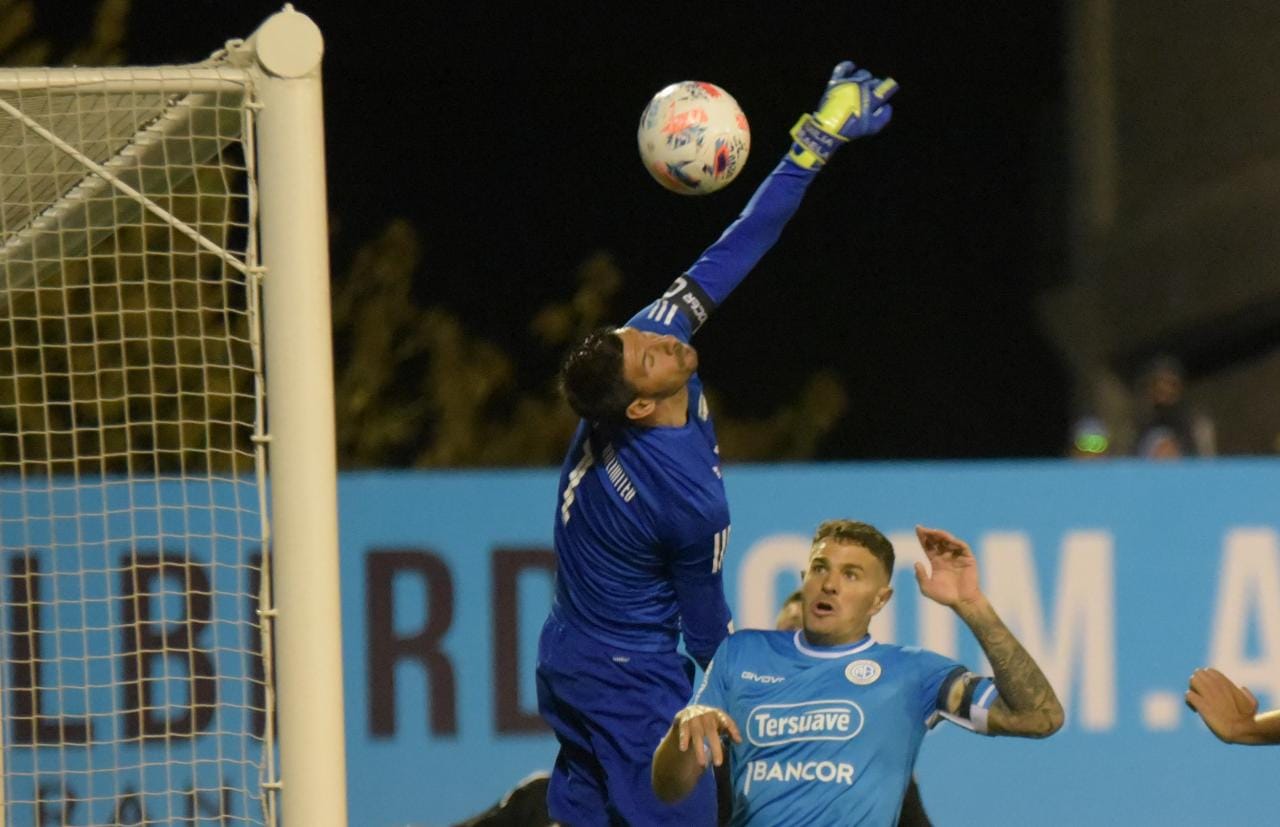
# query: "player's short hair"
[[591, 379], [856, 533], [795, 597]]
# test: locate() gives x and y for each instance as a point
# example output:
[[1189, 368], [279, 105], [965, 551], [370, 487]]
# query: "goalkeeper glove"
[[853, 105]]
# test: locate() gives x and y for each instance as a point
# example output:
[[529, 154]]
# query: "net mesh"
[[130, 474]]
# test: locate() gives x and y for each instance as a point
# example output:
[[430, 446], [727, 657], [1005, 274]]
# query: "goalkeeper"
[[641, 522]]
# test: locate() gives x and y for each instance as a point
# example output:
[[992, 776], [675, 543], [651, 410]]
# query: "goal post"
[[169, 615], [295, 245]]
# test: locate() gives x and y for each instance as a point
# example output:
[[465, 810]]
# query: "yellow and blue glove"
[[854, 104]]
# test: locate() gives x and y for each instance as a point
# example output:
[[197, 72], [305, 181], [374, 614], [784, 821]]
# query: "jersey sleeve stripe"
[[687, 296]]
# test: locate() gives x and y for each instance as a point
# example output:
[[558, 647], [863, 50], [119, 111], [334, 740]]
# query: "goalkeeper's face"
[[656, 366]]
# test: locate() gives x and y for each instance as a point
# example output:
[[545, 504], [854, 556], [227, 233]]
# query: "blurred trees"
[[22, 45], [416, 388]]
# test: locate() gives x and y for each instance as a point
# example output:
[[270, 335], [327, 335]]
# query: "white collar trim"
[[861, 646]]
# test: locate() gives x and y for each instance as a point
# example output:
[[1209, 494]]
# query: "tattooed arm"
[[1027, 704]]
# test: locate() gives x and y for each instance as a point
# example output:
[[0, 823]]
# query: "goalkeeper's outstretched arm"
[[854, 104]]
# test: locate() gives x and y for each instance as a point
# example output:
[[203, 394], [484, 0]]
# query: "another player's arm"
[[1026, 704], [1231, 711], [853, 104], [683, 753]]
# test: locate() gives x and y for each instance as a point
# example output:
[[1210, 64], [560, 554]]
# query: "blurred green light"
[[1092, 443]]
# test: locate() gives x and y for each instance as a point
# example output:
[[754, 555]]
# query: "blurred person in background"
[[791, 615], [1160, 444], [1168, 426]]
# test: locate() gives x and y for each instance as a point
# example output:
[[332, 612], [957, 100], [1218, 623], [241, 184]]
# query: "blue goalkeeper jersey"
[[642, 523], [829, 735]]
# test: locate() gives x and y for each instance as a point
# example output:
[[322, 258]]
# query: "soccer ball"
[[694, 138]]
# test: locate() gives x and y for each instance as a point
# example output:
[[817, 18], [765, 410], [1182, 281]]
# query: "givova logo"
[[772, 724]]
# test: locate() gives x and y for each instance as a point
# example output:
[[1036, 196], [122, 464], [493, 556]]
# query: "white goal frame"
[[281, 62]]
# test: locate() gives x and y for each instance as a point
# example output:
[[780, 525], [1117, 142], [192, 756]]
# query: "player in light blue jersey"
[[641, 520], [825, 722]]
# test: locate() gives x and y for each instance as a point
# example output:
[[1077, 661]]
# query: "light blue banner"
[[1120, 578]]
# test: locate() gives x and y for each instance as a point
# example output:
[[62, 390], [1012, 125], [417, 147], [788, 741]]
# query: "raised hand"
[[1027, 705], [1228, 710], [954, 577], [854, 104]]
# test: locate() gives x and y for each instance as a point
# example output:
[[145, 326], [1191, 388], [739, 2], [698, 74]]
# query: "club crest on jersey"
[[770, 725], [862, 672]]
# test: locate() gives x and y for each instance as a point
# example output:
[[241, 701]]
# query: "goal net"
[[135, 686]]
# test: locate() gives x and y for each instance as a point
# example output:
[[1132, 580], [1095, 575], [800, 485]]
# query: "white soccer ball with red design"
[[694, 138]]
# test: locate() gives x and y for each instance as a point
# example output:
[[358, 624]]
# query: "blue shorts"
[[609, 709]]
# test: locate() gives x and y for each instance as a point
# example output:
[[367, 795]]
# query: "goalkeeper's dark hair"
[[852, 532], [591, 379]]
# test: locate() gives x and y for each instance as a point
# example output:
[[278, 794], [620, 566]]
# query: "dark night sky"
[[506, 132]]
